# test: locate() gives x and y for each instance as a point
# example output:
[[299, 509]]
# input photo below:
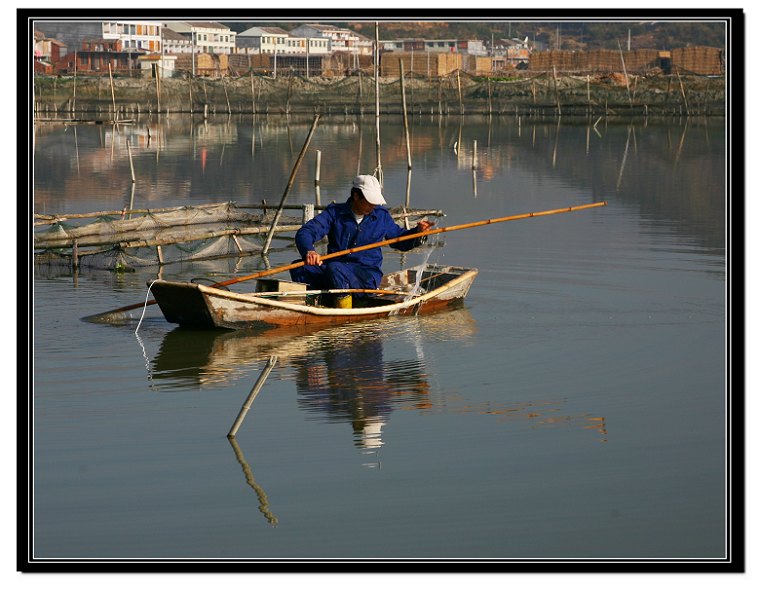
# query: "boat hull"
[[200, 306]]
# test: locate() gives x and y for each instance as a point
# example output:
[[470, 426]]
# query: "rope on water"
[[145, 306]]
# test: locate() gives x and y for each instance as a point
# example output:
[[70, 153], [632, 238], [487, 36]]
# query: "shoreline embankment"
[[527, 94]]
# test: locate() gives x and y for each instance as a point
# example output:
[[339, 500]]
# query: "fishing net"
[[115, 242], [187, 233]]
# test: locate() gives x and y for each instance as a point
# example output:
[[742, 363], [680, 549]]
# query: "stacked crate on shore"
[[597, 60], [476, 65], [239, 63], [206, 64], [420, 64], [698, 60]]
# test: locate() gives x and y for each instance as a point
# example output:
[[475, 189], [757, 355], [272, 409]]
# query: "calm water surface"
[[574, 408]]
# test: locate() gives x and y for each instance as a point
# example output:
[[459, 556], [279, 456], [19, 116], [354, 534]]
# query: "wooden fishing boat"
[[412, 291]]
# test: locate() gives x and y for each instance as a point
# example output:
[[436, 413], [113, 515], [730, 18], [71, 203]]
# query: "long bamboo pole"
[[362, 248]]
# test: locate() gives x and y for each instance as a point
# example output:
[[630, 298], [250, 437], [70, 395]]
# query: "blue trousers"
[[334, 274]]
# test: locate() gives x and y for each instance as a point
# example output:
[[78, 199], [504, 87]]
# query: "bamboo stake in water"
[[74, 103], [113, 94], [131, 165], [459, 90], [379, 171], [556, 91], [227, 97], [158, 90], [253, 95], [406, 122], [625, 73], [278, 214], [251, 396], [317, 168], [683, 92]]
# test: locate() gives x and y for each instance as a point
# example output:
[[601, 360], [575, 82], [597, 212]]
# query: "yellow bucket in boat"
[[343, 302]]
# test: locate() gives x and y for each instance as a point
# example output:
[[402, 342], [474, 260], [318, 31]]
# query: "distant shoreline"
[[527, 93]]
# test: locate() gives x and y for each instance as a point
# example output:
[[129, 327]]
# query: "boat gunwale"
[[468, 274]]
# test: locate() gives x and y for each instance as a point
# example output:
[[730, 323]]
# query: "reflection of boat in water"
[[413, 291], [211, 357]]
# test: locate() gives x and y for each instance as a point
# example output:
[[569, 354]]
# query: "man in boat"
[[361, 220]]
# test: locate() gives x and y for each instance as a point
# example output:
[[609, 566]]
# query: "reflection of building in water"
[[352, 382]]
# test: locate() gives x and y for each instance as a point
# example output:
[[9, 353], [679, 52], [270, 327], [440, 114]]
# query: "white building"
[[166, 65], [263, 40], [340, 39], [135, 34], [206, 37], [175, 43]]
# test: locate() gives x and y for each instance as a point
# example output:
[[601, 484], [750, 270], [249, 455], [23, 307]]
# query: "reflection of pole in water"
[[681, 143], [474, 182], [625, 156], [556, 143], [588, 138], [263, 499], [76, 147], [253, 137]]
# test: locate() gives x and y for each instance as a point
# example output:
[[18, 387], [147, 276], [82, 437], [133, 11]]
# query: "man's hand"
[[312, 258], [424, 225]]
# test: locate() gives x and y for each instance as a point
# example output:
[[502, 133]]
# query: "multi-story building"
[[135, 34], [510, 53], [96, 55], [340, 39], [264, 40], [46, 49], [469, 47], [274, 40], [175, 43], [46, 53], [206, 37]]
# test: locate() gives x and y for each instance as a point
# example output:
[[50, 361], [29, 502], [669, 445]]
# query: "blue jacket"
[[338, 223]]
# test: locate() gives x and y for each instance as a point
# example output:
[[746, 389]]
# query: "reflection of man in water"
[[351, 382]]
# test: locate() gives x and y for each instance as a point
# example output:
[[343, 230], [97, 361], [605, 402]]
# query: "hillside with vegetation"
[[551, 35]]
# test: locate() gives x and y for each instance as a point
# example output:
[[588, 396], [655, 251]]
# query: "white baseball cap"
[[370, 187]]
